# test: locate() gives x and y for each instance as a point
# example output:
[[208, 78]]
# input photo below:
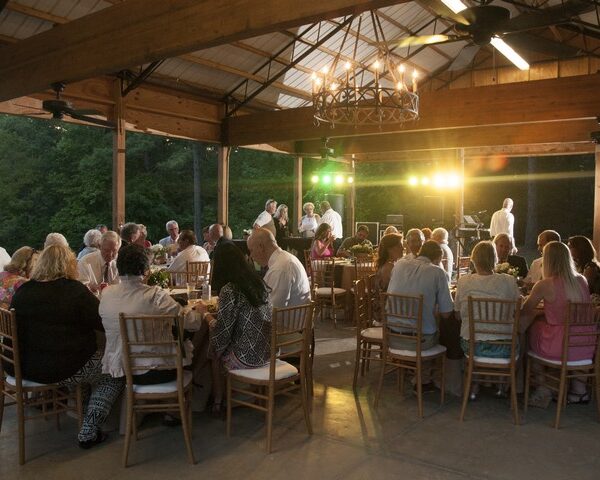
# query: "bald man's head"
[[215, 232], [261, 244]]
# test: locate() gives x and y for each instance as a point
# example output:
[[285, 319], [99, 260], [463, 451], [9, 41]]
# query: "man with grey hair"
[[414, 240], [91, 240], [173, 231], [440, 235], [130, 233], [503, 221], [286, 277], [535, 271], [265, 219], [100, 267]]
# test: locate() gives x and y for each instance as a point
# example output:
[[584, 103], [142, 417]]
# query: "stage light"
[[413, 181], [425, 181], [453, 181], [326, 179], [339, 179], [439, 181], [350, 179], [315, 179]]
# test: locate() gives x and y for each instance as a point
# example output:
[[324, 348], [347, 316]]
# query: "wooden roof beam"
[[137, 32]]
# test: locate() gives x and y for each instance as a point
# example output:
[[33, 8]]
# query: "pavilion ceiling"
[[221, 53]]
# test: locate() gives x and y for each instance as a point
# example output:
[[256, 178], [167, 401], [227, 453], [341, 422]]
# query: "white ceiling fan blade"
[[506, 50]]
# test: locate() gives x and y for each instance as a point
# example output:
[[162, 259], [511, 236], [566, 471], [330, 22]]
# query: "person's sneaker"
[[87, 444]]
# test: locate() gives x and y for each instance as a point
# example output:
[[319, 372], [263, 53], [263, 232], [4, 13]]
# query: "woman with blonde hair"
[[282, 224], [57, 317], [16, 273], [560, 284], [310, 221]]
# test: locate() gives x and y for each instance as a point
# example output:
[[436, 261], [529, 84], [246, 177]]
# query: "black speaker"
[[433, 211]]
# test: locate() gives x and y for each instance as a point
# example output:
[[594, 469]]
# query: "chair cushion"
[[375, 333], [492, 361], [432, 352], [167, 387], [574, 363], [282, 370], [326, 292], [12, 381]]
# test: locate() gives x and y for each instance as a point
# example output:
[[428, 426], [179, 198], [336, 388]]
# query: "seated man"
[[414, 240], [535, 270], [173, 230], [100, 267], [188, 252], [360, 238], [130, 232], [504, 248], [422, 275], [286, 277]]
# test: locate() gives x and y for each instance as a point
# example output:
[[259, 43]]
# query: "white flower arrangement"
[[507, 268]]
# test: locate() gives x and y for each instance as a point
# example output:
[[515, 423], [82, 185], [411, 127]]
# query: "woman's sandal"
[[578, 398]]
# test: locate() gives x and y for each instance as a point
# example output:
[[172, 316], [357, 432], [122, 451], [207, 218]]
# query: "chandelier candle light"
[[365, 95]]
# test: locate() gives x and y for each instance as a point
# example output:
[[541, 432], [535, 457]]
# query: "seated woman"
[[91, 240], [584, 256], [322, 245], [560, 284], [484, 283], [241, 330], [16, 273], [310, 222], [390, 250], [57, 317], [505, 248]]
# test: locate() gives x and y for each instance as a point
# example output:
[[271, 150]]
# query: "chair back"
[[402, 317], [197, 272], [361, 305], [291, 330], [373, 291], [323, 273], [9, 345], [177, 279], [581, 329], [494, 316], [365, 265], [463, 266], [307, 263], [151, 342]]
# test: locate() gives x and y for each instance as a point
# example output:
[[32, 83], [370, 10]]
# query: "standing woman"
[[16, 273], [310, 222], [584, 256], [282, 225], [241, 332], [559, 285], [57, 317], [322, 245]]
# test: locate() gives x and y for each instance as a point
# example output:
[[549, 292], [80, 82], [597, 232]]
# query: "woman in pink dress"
[[322, 245], [560, 284]]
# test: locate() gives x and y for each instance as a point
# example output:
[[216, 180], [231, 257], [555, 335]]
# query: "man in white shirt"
[[334, 220], [188, 252], [173, 230], [265, 219], [414, 242], [101, 267], [440, 235], [535, 271], [4, 258], [286, 277], [503, 221]]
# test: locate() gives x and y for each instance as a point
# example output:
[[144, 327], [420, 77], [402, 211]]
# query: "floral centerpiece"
[[507, 268], [160, 278], [160, 253], [361, 249]]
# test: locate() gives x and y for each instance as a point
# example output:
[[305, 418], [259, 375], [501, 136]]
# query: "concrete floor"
[[351, 440]]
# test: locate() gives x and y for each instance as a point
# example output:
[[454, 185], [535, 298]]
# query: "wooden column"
[[223, 187], [351, 210], [297, 194], [596, 239], [118, 174], [460, 197]]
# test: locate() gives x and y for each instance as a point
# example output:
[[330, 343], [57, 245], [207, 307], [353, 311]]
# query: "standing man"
[[334, 220], [173, 230], [265, 219], [503, 221], [286, 277], [100, 266]]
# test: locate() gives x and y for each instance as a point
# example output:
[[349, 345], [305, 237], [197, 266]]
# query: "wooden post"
[[198, 154], [596, 239], [460, 197], [118, 174], [223, 187], [351, 210], [297, 194]]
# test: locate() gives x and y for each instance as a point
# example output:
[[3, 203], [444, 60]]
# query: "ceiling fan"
[[59, 108], [484, 24]]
